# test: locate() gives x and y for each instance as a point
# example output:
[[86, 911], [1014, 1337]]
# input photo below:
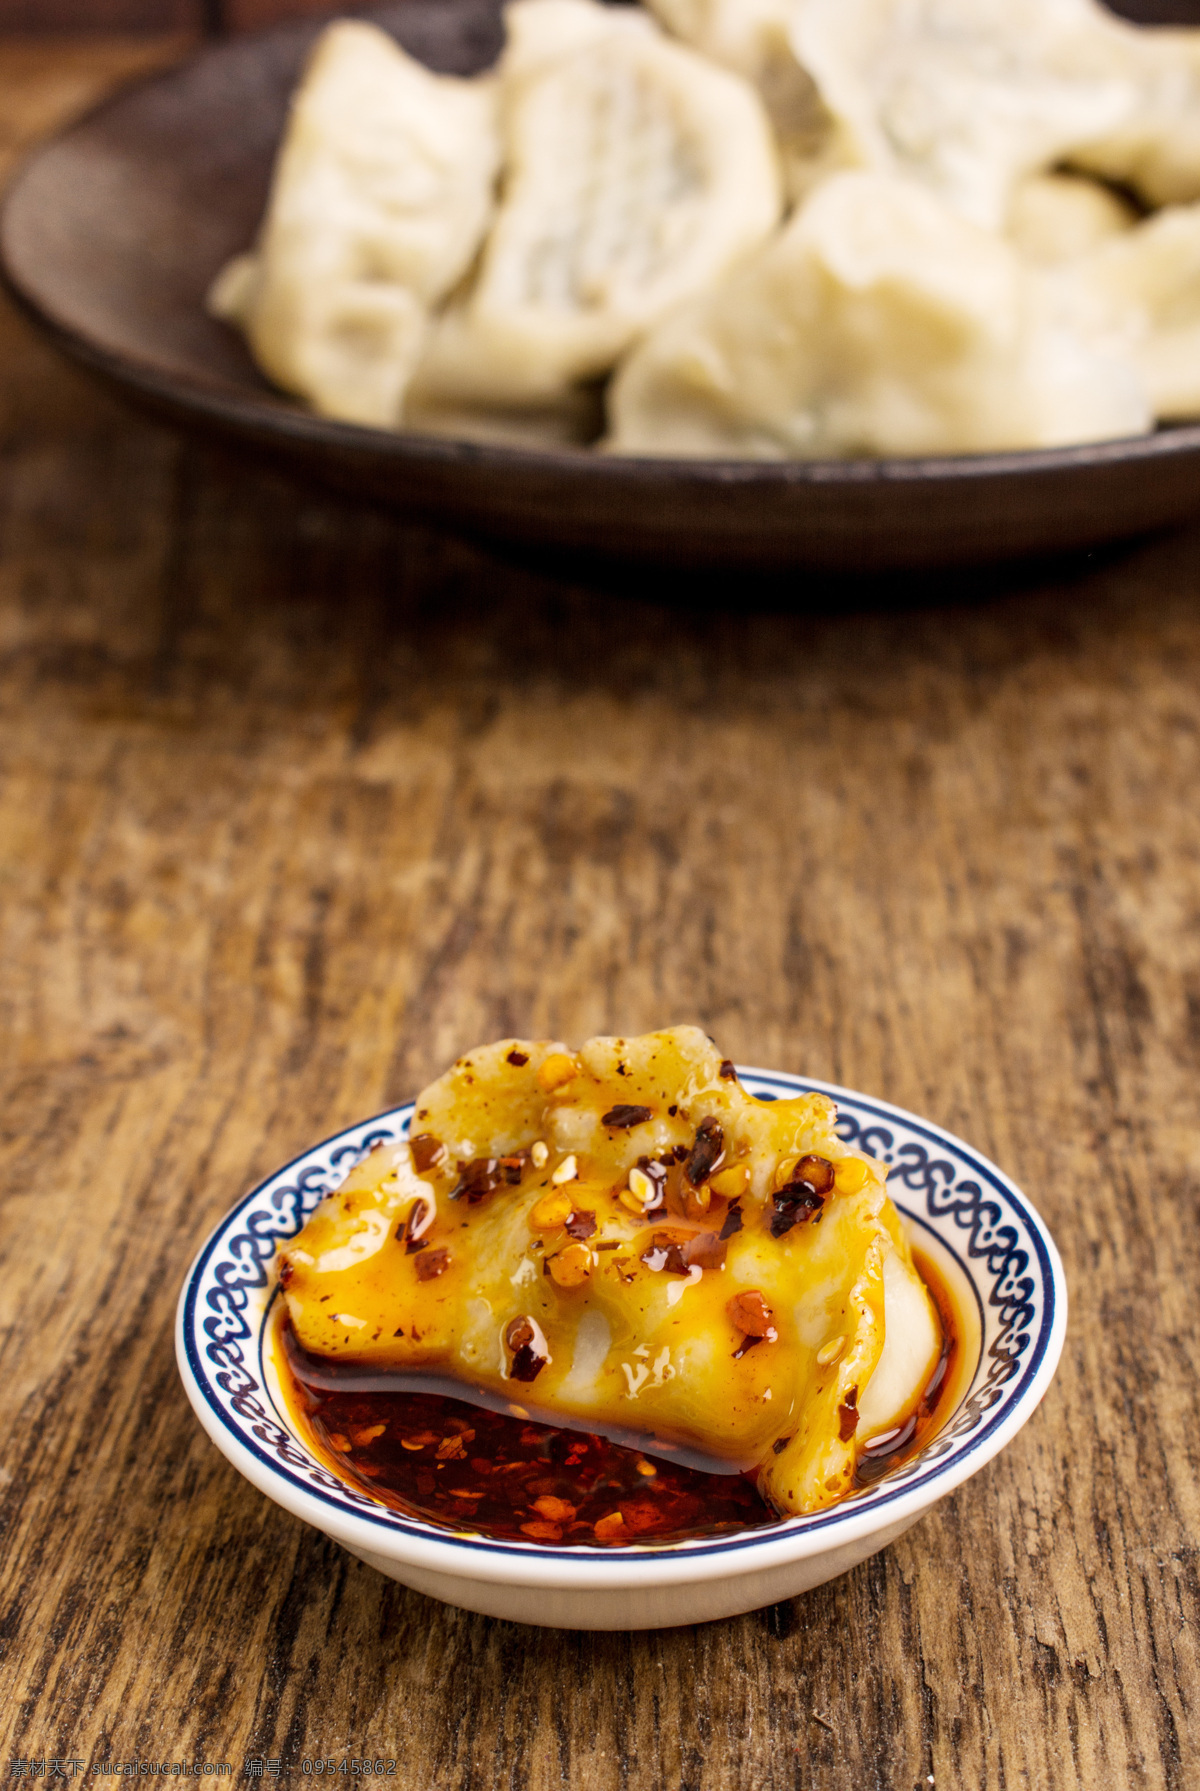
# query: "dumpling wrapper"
[[641, 1339], [878, 323], [754, 38], [962, 96], [381, 195], [1155, 148], [636, 174], [1138, 296], [1057, 218]]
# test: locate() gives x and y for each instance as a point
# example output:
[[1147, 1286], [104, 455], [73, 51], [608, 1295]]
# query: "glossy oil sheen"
[[500, 1472], [465, 1465]]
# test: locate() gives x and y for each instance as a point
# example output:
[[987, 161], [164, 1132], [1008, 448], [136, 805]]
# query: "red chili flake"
[[848, 1415], [526, 1365], [398, 1333], [640, 1514], [475, 1179], [780, 1444], [708, 1152], [750, 1313], [676, 1251], [581, 1225], [727, 1071], [816, 1172], [610, 1244], [705, 1248], [518, 1059], [426, 1151], [672, 1110], [733, 1220], [484, 1175], [542, 1531], [665, 1251], [621, 1118], [436, 1263], [747, 1344], [797, 1201], [556, 1511], [287, 1269]]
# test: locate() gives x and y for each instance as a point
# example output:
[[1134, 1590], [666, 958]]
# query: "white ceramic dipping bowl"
[[993, 1252]]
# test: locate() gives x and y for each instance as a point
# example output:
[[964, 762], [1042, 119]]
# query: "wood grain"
[[294, 805]]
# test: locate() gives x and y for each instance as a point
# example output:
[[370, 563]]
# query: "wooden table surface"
[[294, 805]]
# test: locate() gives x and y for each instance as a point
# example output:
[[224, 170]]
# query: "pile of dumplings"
[[745, 229]]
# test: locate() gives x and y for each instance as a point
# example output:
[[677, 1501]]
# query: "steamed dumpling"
[[381, 196], [1138, 295], [624, 1236], [1056, 218], [878, 323], [1155, 148], [962, 96], [636, 174], [755, 38]]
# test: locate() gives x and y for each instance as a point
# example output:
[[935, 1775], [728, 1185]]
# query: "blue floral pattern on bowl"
[[942, 1186]]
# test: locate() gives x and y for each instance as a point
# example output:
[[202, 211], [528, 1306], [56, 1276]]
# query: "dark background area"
[[214, 16]]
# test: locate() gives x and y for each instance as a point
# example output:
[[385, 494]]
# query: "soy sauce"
[[890, 1448], [471, 1467], [483, 1466]]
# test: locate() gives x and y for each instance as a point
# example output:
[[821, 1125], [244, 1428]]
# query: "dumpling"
[[754, 38], [1138, 296], [1056, 218], [636, 174], [878, 323], [963, 96], [623, 1235], [381, 196], [1155, 149]]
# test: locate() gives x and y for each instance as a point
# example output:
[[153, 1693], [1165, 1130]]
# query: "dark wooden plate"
[[112, 232]]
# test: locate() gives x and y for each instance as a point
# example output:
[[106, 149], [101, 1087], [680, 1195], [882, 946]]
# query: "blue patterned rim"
[[937, 1181]]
